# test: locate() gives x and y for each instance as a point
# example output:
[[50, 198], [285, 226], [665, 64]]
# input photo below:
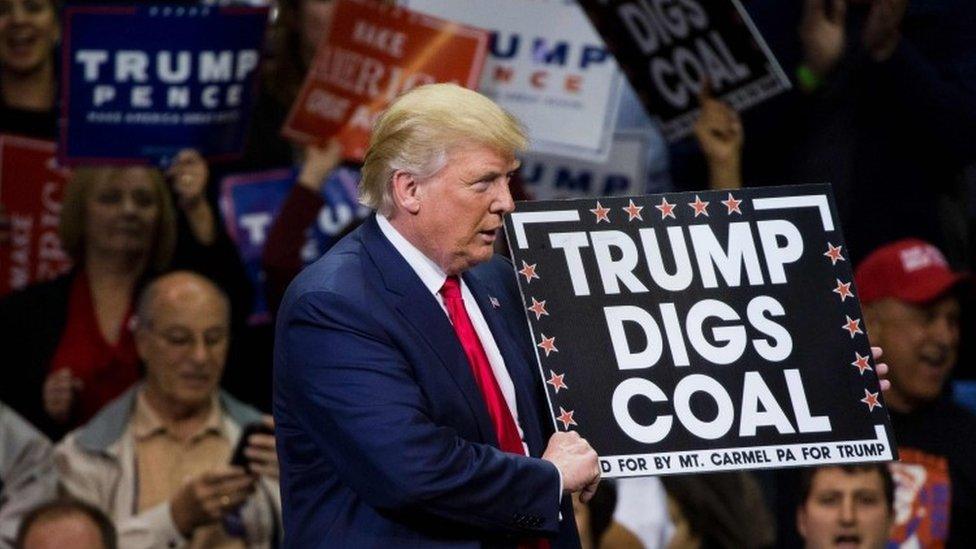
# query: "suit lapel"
[[522, 373], [420, 309]]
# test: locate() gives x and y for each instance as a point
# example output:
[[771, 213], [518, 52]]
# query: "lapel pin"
[[494, 302]]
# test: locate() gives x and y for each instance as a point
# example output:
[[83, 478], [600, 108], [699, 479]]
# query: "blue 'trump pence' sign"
[[251, 202], [142, 82]]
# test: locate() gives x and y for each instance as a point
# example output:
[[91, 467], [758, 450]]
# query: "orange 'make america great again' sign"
[[372, 54]]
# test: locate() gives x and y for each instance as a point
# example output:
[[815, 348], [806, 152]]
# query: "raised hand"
[[719, 132], [822, 34], [319, 161], [882, 30], [58, 394], [189, 174]]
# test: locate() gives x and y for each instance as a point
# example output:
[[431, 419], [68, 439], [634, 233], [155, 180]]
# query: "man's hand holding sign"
[[709, 331]]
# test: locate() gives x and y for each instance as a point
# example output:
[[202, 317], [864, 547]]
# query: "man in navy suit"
[[408, 408]]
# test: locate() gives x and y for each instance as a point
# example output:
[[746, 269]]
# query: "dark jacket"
[[383, 434]]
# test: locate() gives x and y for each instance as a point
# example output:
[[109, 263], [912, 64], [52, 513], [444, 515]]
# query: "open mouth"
[[933, 367], [847, 541], [934, 360]]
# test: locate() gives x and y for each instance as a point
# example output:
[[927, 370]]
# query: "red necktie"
[[501, 417]]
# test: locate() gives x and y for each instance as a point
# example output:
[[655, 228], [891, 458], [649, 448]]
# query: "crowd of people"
[[135, 396]]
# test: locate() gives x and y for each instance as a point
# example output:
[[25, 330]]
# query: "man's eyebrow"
[[492, 173], [481, 176]]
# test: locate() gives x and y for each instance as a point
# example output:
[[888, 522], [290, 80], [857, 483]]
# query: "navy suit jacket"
[[383, 435]]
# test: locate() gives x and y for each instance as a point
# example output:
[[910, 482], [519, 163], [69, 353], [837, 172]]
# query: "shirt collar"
[[146, 422], [430, 273]]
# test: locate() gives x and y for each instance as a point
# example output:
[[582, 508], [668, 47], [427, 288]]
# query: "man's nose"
[[129, 204], [848, 512], [200, 352], [945, 331], [504, 203]]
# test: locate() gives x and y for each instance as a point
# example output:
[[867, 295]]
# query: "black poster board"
[[706, 331], [669, 48]]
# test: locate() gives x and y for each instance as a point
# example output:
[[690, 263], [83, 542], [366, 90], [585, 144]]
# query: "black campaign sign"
[[668, 49], [701, 331]]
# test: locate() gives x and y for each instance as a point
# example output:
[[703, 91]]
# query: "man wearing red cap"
[[911, 301]]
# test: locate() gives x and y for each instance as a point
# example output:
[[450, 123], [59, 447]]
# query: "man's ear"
[[801, 520], [406, 191], [872, 320], [142, 341], [890, 519]]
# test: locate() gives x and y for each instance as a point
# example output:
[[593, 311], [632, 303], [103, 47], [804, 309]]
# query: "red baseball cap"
[[910, 270]]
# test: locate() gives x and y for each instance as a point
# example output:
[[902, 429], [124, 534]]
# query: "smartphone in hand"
[[238, 458]]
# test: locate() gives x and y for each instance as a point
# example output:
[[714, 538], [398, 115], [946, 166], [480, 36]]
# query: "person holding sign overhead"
[[300, 29], [718, 130], [407, 408]]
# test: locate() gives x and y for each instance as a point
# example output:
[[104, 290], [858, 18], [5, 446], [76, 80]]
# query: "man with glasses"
[[158, 458]]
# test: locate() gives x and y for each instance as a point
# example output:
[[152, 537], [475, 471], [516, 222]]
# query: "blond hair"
[[420, 128], [72, 226]]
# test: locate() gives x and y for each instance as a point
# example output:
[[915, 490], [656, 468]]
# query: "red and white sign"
[[31, 188], [374, 53]]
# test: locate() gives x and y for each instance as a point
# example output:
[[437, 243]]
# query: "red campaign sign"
[[31, 190], [372, 54]]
